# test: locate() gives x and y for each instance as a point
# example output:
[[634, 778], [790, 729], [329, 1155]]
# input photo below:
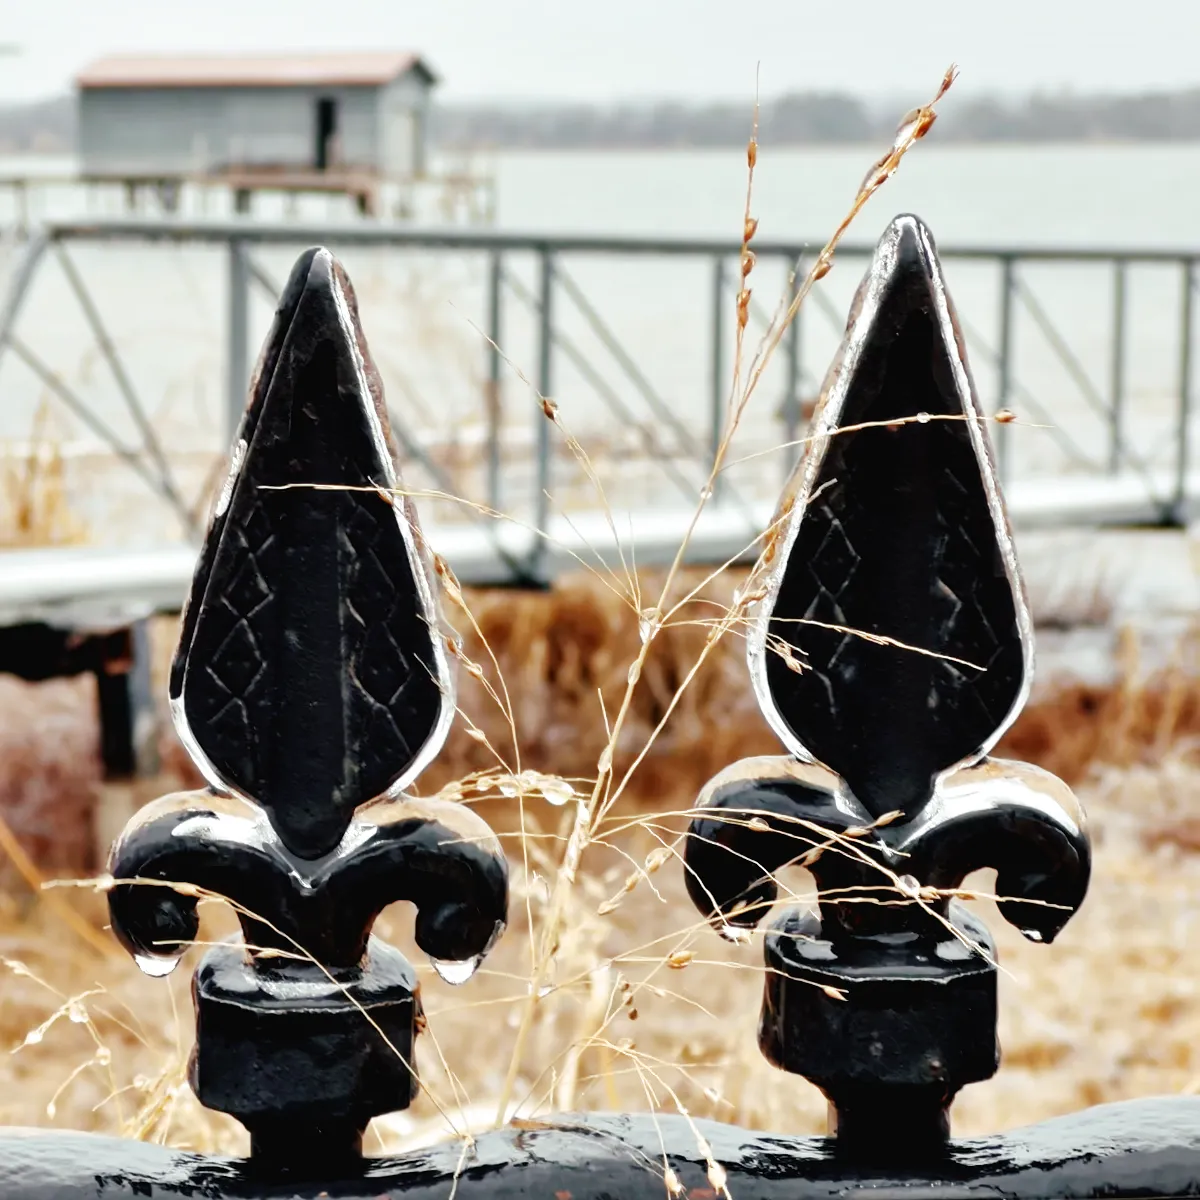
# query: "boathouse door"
[[325, 151]]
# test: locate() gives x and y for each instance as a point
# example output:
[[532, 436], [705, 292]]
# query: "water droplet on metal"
[[456, 973], [156, 965]]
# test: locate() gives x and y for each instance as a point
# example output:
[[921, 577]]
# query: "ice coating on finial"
[[311, 676], [905, 541]]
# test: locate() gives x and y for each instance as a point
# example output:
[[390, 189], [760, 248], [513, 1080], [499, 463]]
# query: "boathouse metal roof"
[[366, 69]]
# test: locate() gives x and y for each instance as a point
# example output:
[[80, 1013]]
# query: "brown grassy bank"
[[1110, 1011], [563, 656]]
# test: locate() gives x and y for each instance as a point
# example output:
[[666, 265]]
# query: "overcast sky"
[[605, 49]]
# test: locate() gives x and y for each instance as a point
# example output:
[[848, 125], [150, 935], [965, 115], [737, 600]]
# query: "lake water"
[[423, 312]]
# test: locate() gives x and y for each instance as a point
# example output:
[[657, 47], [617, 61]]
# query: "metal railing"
[[677, 446]]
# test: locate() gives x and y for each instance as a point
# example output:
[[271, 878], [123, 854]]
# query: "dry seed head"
[[752, 153], [758, 825], [674, 1187], [751, 228], [833, 993], [656, 858], [680, 959], [1005, 416], [924, 123], [475, 732], [550, 408], [744, 599], [445, 572], [748, 261], [743, 307], [614, 902], [822, 267], [790, 660]]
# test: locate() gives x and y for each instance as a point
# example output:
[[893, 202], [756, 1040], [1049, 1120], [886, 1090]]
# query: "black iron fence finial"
[[892, 649], [311, 685]]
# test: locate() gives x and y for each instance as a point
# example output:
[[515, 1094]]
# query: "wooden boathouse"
[[313, 122]]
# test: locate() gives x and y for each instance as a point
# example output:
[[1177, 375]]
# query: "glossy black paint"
[[265, 1037], [310, 683], [458, 885], [897, 599], [307, 669], [899, 541], [1137, 1148]]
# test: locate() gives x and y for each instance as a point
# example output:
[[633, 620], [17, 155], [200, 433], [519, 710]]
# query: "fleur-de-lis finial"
[[311, 684], [892, 649]]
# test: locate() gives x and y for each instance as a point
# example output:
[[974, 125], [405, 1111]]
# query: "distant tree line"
[[795, 119], [44, 125], [820, 117]]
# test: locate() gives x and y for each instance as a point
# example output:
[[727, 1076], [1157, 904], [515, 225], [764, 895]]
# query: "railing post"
[[791, 401], [238, 333], [889, 1006], [495, 412], [543, 474], [1182, 438], [718, 383], [1117, 414], [1004, 357]]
